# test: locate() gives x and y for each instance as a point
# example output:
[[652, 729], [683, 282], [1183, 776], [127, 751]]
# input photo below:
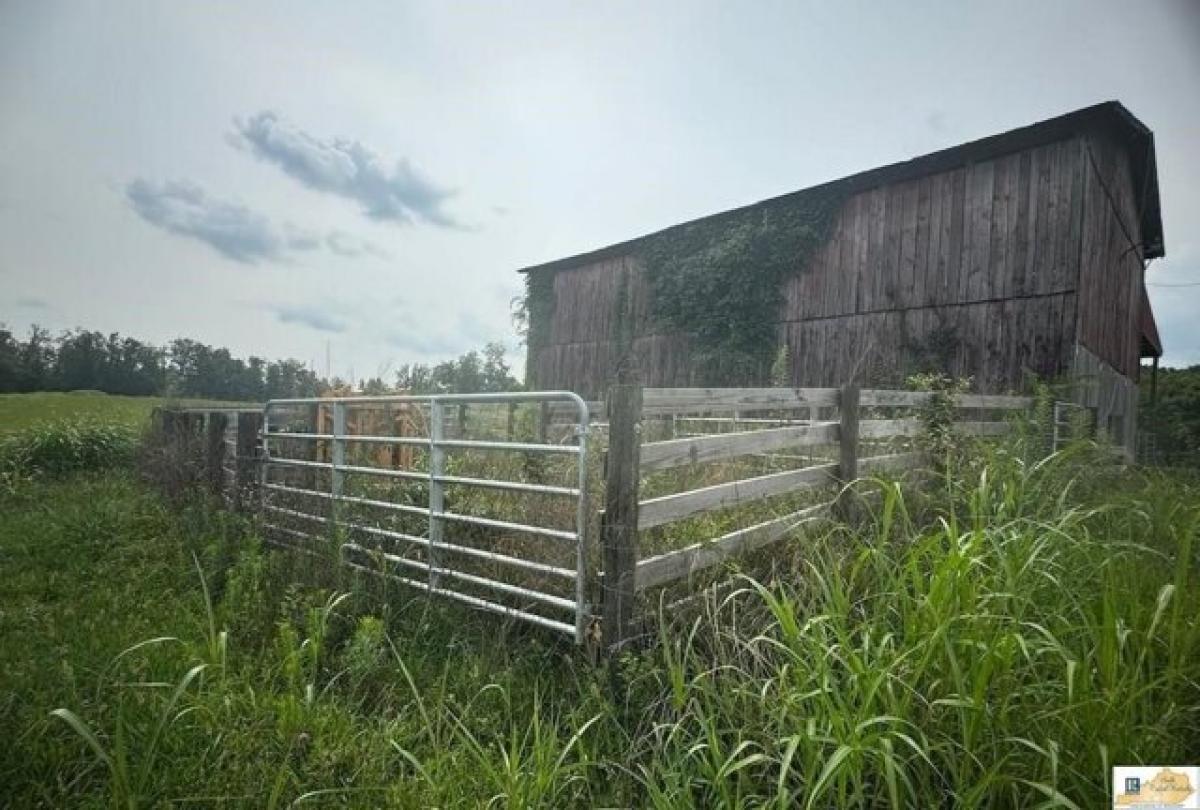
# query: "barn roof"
[[1111, 117]]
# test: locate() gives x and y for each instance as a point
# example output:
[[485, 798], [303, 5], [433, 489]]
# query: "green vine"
[[720, 281], [533, 313]]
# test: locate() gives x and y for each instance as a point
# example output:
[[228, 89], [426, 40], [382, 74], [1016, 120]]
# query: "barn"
[[1018, 256]]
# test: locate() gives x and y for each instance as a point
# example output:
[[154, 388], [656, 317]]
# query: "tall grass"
[[67, 446], [999, 640]]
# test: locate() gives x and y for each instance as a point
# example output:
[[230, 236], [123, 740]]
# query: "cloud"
[[183, 208], [32, 303], [423, 343], [348, 169], [467, 333], [344, 244], [235, 231], [310, 316]]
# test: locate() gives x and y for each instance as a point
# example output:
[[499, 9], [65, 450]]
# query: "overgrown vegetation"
[[1000, 640], [1170, 427], [718, 280], [55, 449]]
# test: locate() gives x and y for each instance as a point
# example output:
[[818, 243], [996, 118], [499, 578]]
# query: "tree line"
[[116, 364], [1170, 418]]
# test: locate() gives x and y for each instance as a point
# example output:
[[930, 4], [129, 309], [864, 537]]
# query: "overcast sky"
[[271, 177]]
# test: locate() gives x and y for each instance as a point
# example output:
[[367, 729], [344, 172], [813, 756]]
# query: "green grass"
[[20, 411], [999, 641]]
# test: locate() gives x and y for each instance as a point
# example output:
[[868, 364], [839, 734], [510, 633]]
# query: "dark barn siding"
[[1110, 282], [991, 260], [972, 266]]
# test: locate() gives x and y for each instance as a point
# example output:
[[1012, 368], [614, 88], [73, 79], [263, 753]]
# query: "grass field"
[[998, 642], [19, 411]]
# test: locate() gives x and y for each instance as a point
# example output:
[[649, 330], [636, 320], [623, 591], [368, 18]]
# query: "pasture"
[[1000, 638], [20, 411]]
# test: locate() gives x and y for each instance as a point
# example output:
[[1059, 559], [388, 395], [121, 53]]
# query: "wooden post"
[[847, 446], [619, 530], [214, 450], [246, 458], [165, 420], [191, 428]]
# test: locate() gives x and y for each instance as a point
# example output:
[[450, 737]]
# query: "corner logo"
[[1155, 786]]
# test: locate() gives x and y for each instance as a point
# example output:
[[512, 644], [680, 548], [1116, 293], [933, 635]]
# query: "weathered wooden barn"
[[1016, 256]]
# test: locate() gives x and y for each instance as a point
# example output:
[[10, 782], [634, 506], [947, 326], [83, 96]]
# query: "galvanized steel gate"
[[474, 497]]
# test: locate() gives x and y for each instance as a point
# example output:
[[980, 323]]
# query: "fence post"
[[619, 529], [337, 457], [437, 495], [249, 423], [848, 401], [192, 424], [214, 450]]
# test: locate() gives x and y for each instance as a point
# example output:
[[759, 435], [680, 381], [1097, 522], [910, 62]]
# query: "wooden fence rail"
[[835, 444], [822, 432]]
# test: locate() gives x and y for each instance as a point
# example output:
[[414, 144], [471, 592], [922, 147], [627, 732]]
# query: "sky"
[[365, 179]]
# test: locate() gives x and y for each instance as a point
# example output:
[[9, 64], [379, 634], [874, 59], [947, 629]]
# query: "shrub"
[[67, 446]]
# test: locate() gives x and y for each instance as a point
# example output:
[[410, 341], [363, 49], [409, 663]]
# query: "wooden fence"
[[847, 430], [811, 442]]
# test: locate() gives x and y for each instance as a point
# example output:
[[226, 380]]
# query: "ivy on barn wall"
[[719, 281]]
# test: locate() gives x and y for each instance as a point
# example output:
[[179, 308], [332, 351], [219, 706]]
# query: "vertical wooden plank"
[[933, 292], [908, 246], [981, 229], [618, 531], [893, 225], [956, 268], [869, 291], [919, 295], [1034, 222], [997, 273]]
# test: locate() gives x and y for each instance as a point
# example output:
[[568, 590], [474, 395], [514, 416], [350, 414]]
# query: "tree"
[[469, 373]]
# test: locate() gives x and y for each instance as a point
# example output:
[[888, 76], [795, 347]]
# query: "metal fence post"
[[337, 457], [437, 469], [214, 451], [848, 403], [619, 531]]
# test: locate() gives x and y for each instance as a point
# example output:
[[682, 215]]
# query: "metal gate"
[[480, 498]]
